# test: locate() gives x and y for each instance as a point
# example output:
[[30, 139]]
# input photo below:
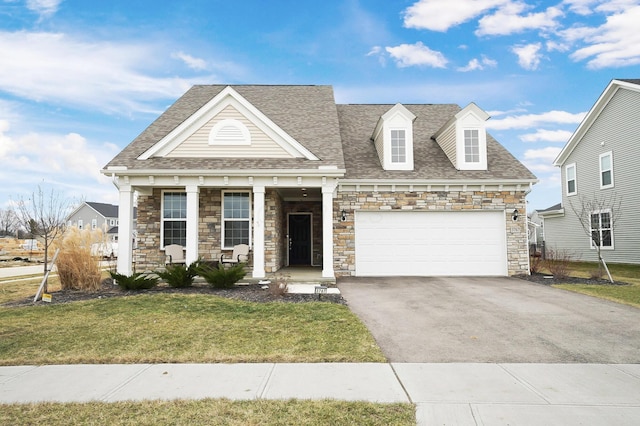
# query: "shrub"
[[77, 269], [535, 264], [558, 262], [221, 276], [179, 275], [135, 281]]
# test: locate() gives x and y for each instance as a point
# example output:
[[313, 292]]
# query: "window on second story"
[[80, 224], [471, 146], [601, 229], [606, 170], [398, 146], [570, 172], [94, 223]]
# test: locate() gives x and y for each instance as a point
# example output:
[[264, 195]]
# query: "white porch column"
[[125, 230], [327, 232], [193, 206], [258, 232]]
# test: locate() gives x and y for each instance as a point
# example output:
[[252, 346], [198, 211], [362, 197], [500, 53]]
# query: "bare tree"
[[43, 215], [597, 216], [8, 221]]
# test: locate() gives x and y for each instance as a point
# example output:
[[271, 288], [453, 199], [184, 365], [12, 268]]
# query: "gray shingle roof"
[[106, 210], [306, 113], [337, 134], [430, 162]]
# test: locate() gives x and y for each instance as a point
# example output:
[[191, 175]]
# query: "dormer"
[[393, 138], [464, 138]]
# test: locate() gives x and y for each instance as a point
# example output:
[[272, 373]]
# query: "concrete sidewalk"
[[450, 394]]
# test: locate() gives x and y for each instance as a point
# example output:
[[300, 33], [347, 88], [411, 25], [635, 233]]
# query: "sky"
[[79, 80]]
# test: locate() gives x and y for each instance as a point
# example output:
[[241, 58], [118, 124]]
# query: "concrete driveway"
[[502, 320]]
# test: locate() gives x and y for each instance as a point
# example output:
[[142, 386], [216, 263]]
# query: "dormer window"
[[398, 146], [229, 132], [464, 139], [393, 138], [471, 146]]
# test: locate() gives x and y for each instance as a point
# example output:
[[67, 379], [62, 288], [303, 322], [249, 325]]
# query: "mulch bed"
[[249, 293], [551, 280]]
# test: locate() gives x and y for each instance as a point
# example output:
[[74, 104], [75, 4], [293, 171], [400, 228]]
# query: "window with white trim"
[[236, 218], [570, 174], [601, 229], [174, 218], [94, 223], [471, 146], [80, 223], [398, 146], [606, 170]]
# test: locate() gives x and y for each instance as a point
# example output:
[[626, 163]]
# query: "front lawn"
[[183, 328], [627, 294], [210, 412]]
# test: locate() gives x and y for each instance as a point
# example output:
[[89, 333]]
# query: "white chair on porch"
[[240, 255], [174, 253]]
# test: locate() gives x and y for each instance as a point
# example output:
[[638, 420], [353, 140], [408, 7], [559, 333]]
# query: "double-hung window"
[[606, 170], [174, 218], [570, 172], [398, 146], [236, 218], [471, 146], [601, 229]]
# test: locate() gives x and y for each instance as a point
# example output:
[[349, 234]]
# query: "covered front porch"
[[287, 222]]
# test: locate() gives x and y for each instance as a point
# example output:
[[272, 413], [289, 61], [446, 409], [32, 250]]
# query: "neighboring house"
[[600, 162], [91, 215], [362, 190]]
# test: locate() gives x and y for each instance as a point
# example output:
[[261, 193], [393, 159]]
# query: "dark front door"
[[299, 239]]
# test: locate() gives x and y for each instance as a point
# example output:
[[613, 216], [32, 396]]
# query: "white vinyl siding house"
[[604, 154]]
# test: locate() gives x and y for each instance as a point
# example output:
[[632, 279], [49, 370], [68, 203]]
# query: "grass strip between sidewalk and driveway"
[[211, 412], [172, 328]]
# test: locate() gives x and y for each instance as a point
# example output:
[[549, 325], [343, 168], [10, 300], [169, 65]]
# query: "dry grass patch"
[[21, 288], [183, 328], [210, 412]]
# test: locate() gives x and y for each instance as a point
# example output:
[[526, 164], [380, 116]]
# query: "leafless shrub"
[[279, 285], [535, 264], [77, 269], [596, 274], [558, 262]]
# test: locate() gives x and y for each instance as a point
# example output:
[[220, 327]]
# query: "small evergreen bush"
[[179, 275], [221, 276], [135, 281]]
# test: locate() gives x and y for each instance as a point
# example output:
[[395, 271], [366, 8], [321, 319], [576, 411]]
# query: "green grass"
[[183, 328], [210, 412], [626, 294]]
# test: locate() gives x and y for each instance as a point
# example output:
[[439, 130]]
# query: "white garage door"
[[396, 243]]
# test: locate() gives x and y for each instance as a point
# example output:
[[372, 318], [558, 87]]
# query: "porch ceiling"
[[300, 194]]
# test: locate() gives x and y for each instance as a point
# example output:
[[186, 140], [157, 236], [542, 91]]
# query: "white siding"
[[197, 145], [617, 129], [447, 141]]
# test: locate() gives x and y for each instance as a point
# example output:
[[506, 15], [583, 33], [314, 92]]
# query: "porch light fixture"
[[515, 214], [343, 216]]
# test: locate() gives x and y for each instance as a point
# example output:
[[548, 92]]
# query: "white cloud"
[[192, 62], [106, 76], [547, 154], [69, 161], [478, 64], [547, 136], [527, 121], [44, 8], [407, 55], [614, 44], [528, 55], [440, 15], [581, 7], [509, 19]]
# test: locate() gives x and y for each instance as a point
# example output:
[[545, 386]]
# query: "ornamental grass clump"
[[135, 281], [178, 275], [77, 269], [221, 276]]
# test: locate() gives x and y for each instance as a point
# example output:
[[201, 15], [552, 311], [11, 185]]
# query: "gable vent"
[[229, 132]]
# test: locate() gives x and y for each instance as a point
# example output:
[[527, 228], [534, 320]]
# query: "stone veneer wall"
[[148, 255], [350, 201], [274, 236]]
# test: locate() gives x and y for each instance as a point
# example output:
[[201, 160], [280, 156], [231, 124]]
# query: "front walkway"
[[452, 394], [296, 275]]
